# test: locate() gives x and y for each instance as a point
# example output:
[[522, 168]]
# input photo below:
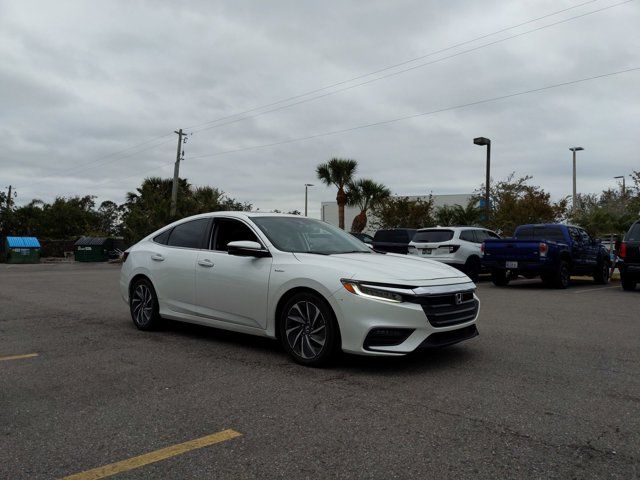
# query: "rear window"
[[433, 236], [633, 235], [394, 236], [540, 233]]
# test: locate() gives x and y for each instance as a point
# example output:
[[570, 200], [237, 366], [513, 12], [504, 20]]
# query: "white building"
[[329, 210]]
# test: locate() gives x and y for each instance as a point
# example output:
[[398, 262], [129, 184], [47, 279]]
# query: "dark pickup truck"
[[629, 253], [393, 240], [550, 251]]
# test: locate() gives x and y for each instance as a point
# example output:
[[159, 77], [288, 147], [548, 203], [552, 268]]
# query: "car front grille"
[[445, 310]]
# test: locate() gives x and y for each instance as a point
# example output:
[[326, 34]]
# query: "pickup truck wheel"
[[472, 268], [499, 277], [628, 281], [601, 274], [562, 275]]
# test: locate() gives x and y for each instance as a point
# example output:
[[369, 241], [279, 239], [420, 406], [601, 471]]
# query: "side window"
[[229, 230], [491, 234], [467, 235], [575, 236], [189, 234], [163, 238], [585, 236], [481, 235]]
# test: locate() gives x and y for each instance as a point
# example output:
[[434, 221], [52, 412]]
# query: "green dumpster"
[[22, 250], [92, 249]]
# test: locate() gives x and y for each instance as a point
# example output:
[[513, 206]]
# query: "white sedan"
[[307, 283]]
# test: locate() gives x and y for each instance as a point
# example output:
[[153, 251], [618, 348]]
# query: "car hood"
[[389, 268]]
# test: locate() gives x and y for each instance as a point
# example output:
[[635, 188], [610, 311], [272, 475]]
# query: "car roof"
[[451, 228]]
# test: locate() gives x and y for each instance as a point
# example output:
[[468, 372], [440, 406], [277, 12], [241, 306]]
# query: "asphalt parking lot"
[[550, 389]]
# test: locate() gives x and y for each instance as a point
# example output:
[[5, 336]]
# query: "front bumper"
[[358, 317]]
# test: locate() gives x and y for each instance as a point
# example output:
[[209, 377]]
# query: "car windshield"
[[433, 236], [306, 235]]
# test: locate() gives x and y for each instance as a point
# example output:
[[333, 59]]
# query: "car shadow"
[[417, 362]]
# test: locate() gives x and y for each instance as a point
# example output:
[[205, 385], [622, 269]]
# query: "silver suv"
[[455, 246]]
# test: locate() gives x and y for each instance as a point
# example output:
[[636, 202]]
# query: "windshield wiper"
[[353, 251]]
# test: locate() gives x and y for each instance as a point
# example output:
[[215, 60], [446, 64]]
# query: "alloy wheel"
[[306, 329], [142, 304]]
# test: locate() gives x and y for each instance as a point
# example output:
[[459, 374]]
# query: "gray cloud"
[[79, 81]]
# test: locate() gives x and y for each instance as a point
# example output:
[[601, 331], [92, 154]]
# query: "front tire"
[[628, 281], [308, 330], [601, 274], [143, 304], [499, 277]]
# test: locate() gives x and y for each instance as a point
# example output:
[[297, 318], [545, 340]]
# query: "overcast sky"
[[80, 81]]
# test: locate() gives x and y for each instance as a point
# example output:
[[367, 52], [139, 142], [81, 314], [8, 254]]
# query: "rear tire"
[[601, 274], [308, 330], [499, 277], [472, 268], [628, 281], [562, 276], [143, 304]]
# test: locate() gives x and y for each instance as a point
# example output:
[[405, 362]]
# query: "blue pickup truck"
[[550, 251]]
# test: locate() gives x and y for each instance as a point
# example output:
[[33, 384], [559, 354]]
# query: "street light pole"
[[487, 190], [624, 188], [306, 196], [573, 197]]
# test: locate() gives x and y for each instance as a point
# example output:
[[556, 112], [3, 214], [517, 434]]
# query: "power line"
[[394, 120], [337, 84], [415, 115], [93, 163], [399, 72]]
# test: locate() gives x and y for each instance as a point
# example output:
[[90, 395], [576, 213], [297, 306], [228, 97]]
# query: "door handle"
[[205, 263], [157, 257]]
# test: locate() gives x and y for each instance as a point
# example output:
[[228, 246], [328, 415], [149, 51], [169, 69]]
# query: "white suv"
[[455, 246]]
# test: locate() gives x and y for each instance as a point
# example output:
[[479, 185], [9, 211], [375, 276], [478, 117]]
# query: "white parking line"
[[594, 289]]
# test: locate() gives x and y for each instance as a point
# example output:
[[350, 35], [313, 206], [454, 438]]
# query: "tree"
[[401, 212], [450, 215], [148, 208], [338, 172], [514, 202], [365, 194]]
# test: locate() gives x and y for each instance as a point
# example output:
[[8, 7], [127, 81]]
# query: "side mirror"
[[245, 248]]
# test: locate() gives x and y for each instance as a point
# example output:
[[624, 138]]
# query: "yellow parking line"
[[18, 357], [152, 457]]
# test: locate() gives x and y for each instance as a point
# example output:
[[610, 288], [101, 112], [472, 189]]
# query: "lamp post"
[[624, 188], [487, 142], [306, 196], [573, 197]]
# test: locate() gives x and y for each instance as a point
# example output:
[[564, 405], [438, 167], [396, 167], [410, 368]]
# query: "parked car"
[[305, 282], [629, 254], [393, 240], [455, 246], [551, 251], [363, 237]]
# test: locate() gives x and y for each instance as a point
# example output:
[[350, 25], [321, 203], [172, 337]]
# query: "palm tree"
[[338, 172], [365, 194]]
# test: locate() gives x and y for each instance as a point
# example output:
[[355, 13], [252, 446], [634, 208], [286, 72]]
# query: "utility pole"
[[176, 173], [9, 198]]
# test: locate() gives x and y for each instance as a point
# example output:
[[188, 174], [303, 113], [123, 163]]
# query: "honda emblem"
[[458, 298]]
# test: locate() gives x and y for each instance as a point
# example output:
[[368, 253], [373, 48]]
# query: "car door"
[[578, 254], [231, 288], [173, 257], [590, 250]]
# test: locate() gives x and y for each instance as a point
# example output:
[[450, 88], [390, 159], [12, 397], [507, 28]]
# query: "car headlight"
[[368, 291]]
